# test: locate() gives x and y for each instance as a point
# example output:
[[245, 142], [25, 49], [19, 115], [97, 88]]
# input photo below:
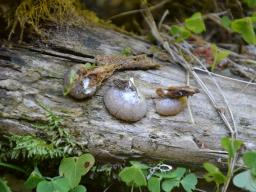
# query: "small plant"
[[71, 170], [247, 179], [213, 173], [134, 176], [55, 141], [194, 24], [218, 55], [158, 178]]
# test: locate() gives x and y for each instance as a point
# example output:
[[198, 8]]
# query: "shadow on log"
[[30, 73]]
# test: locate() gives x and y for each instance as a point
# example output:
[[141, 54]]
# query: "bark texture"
[[29, 73]]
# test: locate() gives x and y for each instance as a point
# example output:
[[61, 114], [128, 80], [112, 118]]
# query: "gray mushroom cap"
[[126, 104], [169, 106]]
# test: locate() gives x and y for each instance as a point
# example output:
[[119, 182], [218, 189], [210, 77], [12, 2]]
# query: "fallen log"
[[35, 72]]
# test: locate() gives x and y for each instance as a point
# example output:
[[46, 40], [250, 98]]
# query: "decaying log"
[[29, 73]]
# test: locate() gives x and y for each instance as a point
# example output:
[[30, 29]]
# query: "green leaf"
[[180, 33], [34, 178], [213, 174], [79, 188], [139, 164], [55, 185], [154, 184], [225, 21], [230, 145], [245, 180], [133, 176], [73, 168], [195, 23], [179, 172], [3, 186], [169, 184], [189, 182], [72, 77], [244, 27], [250, 3], [219, 55], [249, 159]]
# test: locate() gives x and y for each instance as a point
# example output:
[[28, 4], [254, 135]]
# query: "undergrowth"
[[54, 141]]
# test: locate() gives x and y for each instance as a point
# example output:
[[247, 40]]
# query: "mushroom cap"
[[81, 89], [169, 106], [125, 104], [78, 88]]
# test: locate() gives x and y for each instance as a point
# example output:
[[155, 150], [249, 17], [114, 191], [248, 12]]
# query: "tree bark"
[[30, 73]]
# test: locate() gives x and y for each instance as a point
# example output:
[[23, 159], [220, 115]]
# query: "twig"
[[189, 106], [225, 77], [139, 10], [162, 19]]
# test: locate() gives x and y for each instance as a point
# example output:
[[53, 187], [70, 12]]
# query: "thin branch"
[[189, 105], [139, 10]]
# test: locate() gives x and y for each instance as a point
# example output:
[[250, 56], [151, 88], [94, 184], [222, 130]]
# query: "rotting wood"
[[29, 74]]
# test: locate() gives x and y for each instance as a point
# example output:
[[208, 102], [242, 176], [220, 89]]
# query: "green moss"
[[32, 13]]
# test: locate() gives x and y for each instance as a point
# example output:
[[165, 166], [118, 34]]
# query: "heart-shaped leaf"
[[73, 168], [195, 23], [245, 180], [133, 176], [244, 26], [189, 182], [249, 159], [55, 185], [154, 184], [169, 184]]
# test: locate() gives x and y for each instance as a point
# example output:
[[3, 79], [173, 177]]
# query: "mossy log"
[[31, 73]]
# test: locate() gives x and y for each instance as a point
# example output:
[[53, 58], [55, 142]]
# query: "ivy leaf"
[[245, 180], [244, 27], [133, 176], [249, 159], [154, 184], [219, 55], [189, 182], [55, 185], [195, 23], [73, 168], [34, 178], [180, 33], [169, 184], [225, 21], [3, 186], [79, 188], [213, 174], [230, 145]]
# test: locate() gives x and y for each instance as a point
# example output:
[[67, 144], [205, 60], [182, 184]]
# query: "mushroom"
[[82, 81], [173, 99], [124, 101]]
